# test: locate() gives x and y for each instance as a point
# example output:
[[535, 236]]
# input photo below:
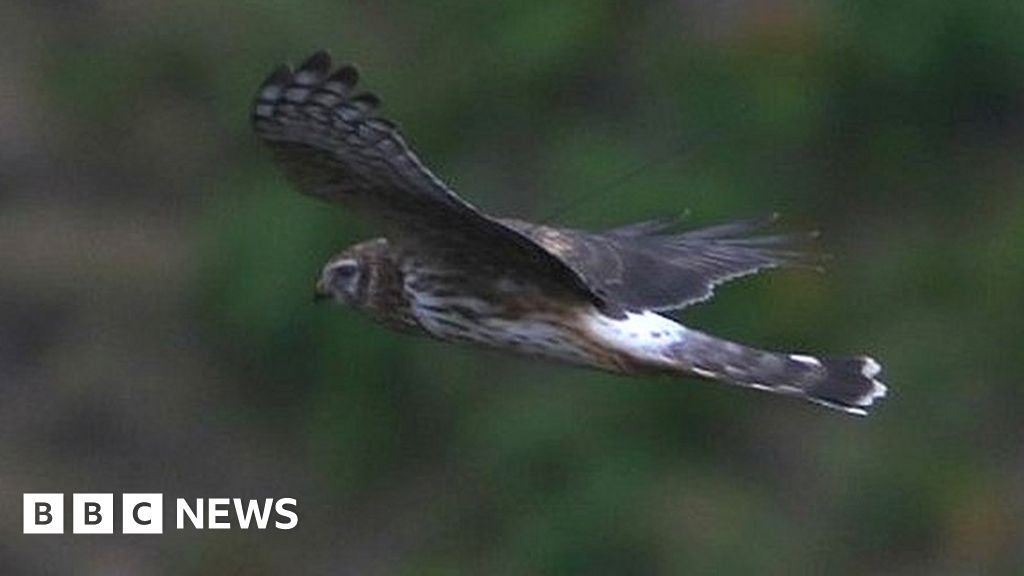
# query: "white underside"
[[646, 335]]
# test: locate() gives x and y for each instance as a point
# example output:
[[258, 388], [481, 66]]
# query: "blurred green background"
[[157, 335]]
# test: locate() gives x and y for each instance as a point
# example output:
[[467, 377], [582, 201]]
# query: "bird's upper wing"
[[646, 266], [333, 146]]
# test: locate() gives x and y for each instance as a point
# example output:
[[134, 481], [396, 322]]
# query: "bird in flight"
[[445, 269]]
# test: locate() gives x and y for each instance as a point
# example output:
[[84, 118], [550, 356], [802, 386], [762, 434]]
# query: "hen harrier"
[[446, 269]]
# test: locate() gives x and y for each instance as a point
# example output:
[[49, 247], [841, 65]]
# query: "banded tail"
[[842, 383]]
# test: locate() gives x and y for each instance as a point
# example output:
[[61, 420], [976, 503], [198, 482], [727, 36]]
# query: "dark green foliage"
[[894, 128]]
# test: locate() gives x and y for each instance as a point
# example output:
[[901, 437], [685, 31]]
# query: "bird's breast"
[[498, 314]]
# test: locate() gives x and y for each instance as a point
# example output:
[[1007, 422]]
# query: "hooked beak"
[[319, 292]]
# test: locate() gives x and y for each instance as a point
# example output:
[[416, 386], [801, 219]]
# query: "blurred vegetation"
[[157, 332]]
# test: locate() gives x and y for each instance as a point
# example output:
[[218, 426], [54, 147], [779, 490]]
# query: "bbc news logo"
[[144, 513]]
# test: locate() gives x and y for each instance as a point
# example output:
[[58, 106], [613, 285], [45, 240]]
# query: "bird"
[[443, 268]]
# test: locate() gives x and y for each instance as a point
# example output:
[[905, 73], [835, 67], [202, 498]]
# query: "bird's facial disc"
[[339, 281]]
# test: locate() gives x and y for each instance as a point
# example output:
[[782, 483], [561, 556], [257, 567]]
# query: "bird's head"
[[346, 276]]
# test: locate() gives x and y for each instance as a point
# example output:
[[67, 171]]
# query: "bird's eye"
[[346, 270]]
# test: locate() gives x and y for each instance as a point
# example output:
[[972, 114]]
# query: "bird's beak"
[[319, 293]]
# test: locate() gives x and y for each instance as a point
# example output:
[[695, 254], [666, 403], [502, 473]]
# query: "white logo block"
[[92, 513], [142, 514], [43, 513]]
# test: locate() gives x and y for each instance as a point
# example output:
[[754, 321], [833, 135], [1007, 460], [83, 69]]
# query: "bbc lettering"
[[143, 513]]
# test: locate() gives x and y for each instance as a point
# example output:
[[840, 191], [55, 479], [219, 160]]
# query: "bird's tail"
[[842, 383]]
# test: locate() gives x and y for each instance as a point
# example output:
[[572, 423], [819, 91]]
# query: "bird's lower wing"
[[646, 267]]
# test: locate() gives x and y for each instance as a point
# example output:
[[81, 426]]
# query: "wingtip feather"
[[319, 61]]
